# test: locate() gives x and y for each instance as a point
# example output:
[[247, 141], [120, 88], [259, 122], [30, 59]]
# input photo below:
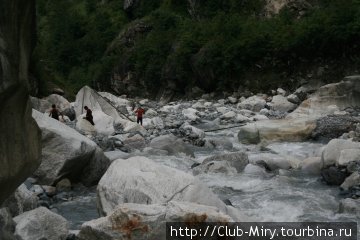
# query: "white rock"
[[229, 115], [208, 104], [259, 117], [130, 127], [222, 110], [104, 124], [347, 156], [281, 104], [232, 100], [332, 151], [281, 92], [191, 114], [137, 180], [144, 101], [41, 223], [254, 103], [198, 105], [114, 155], [151, 113], [241, 118], [193, 132]]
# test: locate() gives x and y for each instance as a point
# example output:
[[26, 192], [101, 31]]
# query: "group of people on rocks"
[[55, 113]]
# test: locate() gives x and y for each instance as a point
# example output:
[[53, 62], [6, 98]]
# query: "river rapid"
[[276, 196]]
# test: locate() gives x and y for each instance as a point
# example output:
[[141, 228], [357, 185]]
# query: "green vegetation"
[[214, 44]]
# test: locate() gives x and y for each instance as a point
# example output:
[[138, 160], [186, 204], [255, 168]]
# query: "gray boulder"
[[140, 222], [225, 163], [21, 200], [20, 139], [67, 154], [171, 144], [249, 134], [41, 223]]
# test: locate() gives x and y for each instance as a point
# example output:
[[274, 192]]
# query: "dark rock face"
[[20, 136], [333, 176], [330, 127]]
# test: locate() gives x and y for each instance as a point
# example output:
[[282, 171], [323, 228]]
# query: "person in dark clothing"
[[55, 113], [139, 113], [89, 115]]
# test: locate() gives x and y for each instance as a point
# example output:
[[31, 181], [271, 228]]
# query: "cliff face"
[[20, 136]]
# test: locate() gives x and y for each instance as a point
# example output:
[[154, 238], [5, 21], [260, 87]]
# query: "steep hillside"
[[153, 47]]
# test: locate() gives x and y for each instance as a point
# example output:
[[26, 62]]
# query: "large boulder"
[[7, 225], [140, 222], [20, 139], [66, 153], [171, 144], [254, 103], [21, 200], [41, 223], [89, 97], [224, 163], [333, 149], [333, 175], [137, 180]]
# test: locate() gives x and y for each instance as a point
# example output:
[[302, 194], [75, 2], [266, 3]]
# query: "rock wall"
[[20, 136]]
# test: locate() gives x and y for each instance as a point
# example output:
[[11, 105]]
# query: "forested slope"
[[143, 47]]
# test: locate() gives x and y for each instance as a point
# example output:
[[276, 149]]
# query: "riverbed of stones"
[[136, 193]]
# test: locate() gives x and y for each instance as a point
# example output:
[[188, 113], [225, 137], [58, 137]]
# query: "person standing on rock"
[[89, 115], [54, 112], [139, 113]]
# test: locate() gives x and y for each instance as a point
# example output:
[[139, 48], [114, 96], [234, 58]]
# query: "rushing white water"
[[284, 196]]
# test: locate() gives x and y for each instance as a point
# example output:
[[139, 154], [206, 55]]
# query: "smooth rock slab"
[[41, 223], [140, 180]]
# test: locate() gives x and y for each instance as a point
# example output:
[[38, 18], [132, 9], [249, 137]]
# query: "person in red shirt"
[[139, 113]]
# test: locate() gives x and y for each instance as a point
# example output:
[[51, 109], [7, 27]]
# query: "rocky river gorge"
[[277, 157]]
